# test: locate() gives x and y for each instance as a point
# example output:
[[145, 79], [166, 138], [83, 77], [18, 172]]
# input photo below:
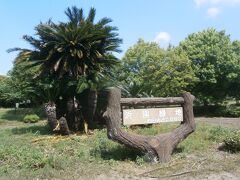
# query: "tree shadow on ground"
[[12, 115], [120, 153], [229, 149], [18, 115], [178, 150], [34, 129]]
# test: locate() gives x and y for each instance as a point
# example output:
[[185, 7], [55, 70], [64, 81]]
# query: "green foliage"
[[69, 51], [233, 89], [2, 77], [20, 85], [213, 62], [140, 161], [218, 133], [232, 142], [31, 118], [148, 69]]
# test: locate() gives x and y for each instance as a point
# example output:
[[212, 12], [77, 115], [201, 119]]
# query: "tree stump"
[[157, 148], [50, 109]]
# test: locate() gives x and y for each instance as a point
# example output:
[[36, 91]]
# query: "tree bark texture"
[[88, 103], [157, 148], [151, 101], [50, 109]]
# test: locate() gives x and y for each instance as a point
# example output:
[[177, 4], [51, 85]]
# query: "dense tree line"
[[205, 63]]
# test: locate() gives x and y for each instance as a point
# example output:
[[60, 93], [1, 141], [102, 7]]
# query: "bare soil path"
[[221, 121]]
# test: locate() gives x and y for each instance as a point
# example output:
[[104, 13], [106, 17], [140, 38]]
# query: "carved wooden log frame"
[[157, 148]]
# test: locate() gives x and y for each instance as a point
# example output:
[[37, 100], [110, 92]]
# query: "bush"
[[233, 110], [31, 118], [232, 142], [218, 133]]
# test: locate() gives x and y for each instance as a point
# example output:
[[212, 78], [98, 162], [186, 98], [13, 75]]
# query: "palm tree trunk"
[[70, 115], [91, 107], [60, 126], [50, 110]]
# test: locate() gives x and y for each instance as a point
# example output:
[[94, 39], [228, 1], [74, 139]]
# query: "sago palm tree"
[[76, 51]]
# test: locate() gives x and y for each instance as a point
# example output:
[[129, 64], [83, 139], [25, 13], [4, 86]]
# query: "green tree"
[[213, 62], [3, 90], [74, 54], [22, 80], [234, 86], [148, 70]]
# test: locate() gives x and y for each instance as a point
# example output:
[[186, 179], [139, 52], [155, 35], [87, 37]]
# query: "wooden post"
[[159, 147]]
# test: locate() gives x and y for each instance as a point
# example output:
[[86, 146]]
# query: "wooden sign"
[[152, 115]]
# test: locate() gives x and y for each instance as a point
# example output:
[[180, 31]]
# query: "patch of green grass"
[[33, 151], [104, 149], [156, 129]]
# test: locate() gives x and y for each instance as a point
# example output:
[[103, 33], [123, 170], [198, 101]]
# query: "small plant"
[[232, 142], [218, 133], [31, 118], [139, 161]]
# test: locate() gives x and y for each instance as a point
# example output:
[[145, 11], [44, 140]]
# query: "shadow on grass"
[[18, 115], [12, 115], [35, 129], [121, 153], [178, 150]]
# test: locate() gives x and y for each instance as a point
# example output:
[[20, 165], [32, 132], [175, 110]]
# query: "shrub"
[[233, 110], [232, 142], [218, 133], [31, 118]]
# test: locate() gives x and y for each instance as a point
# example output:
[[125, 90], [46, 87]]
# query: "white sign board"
[[152, 115]]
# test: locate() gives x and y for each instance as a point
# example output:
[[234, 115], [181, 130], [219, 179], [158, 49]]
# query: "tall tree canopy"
[[149, 70], [213, 61], [74, 49], [234, 87]]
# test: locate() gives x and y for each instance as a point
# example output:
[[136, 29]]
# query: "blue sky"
[[163, 21]]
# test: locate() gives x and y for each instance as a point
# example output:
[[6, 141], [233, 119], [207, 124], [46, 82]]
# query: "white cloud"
[[162, 37], [215, 5], [213, 12], [200, 3], [225, 2]]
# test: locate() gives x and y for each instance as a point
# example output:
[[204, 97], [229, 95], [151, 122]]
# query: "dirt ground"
[[221, 121], [215, 165]]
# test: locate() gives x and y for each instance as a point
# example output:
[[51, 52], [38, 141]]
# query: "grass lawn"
[[30, 151]]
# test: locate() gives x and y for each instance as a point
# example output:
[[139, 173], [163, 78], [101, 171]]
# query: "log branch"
[[158, 147]]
